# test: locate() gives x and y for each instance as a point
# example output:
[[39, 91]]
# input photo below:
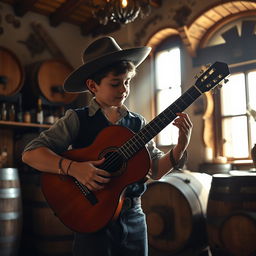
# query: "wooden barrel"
[[11, 73], [46, 78], [231, 214], [215, 168], [43, 233], [175, 208], [10, 212]]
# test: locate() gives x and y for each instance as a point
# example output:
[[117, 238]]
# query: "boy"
[[106, 73]]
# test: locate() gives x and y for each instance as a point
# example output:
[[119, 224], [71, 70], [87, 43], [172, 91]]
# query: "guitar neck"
[[140, 139]]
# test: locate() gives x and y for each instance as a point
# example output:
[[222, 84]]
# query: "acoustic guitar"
[[126, 158]]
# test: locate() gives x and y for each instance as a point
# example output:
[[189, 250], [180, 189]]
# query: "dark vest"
[[90, 126]]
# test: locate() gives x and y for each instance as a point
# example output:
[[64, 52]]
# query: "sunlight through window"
[[168, 86], [238, 126]]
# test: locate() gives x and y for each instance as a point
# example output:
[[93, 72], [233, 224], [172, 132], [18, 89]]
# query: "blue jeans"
[[125, 237]]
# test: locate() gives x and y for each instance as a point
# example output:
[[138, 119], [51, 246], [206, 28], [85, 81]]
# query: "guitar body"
[[70, 204]]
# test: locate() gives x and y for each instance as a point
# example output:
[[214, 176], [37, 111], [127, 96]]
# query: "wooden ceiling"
[[77, 12]]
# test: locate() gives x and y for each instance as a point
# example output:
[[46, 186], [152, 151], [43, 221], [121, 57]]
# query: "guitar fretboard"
[[139, 140]]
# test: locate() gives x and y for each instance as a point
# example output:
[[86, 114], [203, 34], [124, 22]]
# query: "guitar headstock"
[[212, 76]]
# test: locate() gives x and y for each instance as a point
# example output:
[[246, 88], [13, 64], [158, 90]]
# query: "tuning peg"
[[226, 80], [196, 77], [208, 65]]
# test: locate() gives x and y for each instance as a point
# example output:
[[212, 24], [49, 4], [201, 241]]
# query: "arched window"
[[168, 62], [234, 116]]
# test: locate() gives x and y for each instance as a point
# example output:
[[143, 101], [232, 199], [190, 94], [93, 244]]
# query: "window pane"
[[253, 131], [235, 136], [169, 135], [168, 68], [252, 89], [233, 98]]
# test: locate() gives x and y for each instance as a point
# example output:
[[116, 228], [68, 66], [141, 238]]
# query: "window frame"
[[218, 117], [169, 42]]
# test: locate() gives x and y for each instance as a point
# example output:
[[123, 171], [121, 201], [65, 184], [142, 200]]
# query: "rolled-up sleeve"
[[58, 137]]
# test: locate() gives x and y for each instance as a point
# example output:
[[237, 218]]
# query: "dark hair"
[[120, 67]]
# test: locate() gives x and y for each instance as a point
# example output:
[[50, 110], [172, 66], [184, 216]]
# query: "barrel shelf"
[[22, 124]]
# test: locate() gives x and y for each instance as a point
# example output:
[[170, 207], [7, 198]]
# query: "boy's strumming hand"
[[89, 175]]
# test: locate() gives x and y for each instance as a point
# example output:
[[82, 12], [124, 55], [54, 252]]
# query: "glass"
[[233, 97], [235, 136], [168, 69]]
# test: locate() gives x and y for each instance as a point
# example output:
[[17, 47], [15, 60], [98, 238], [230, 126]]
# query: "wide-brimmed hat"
[[99, 54]]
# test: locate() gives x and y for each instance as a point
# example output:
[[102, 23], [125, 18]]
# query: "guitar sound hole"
[[113, 163]]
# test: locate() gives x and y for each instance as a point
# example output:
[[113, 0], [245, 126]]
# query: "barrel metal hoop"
[[10, 192], [8, 174], [10, 215]]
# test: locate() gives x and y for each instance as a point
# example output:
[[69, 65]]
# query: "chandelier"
[[120, 11]]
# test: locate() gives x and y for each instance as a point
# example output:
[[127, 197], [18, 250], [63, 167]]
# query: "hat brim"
[[75, 82]]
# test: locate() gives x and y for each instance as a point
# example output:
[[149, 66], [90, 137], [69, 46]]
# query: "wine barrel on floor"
[[231, 214], [175, 208], [43, 233], [10, 212]]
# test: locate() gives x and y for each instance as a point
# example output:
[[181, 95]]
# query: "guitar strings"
[[114, 159]]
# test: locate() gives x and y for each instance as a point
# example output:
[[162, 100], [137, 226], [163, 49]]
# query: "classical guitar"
[[126, 158]]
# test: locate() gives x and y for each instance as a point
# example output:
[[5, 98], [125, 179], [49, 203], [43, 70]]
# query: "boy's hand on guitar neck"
[[89, 175], [184, 124]]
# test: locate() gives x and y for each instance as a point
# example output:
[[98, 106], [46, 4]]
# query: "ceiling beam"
[[63, 11], [21, 7]]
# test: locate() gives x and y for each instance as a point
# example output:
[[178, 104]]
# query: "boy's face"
[[112, 90]]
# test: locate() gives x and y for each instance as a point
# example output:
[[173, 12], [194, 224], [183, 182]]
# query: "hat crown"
[[99, 48]]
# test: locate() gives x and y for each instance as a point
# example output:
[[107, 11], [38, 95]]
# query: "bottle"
[[19, 111], [12, 113], [39, 113], [3, 112], [49, 118], [27, 117]]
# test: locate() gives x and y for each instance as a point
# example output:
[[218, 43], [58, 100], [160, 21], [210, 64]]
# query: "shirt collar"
[[94, 107]]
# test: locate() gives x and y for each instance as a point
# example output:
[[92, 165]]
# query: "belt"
[[130, 202]]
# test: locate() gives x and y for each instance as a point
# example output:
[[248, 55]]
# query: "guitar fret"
[[128, 149], [123, 152], [183, 101], [179, 109]]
